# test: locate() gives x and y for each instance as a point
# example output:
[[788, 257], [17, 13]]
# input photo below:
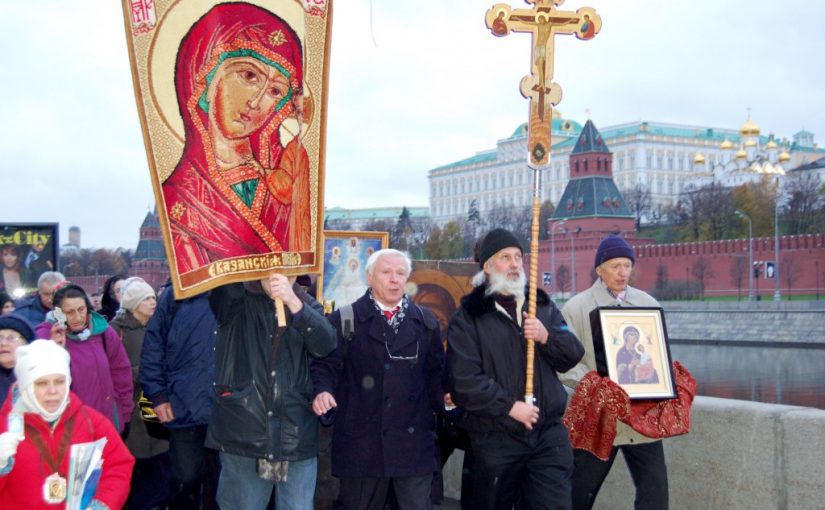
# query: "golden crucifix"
[[543, 21]]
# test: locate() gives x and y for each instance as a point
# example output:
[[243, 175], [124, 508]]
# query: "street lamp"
[[553, 255], [750, 253], [573, 259], [777, 295]]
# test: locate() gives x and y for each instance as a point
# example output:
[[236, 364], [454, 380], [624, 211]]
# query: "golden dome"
[[771, 144], [784, 156], [749, 128], [726, 144], [699, 159], [750, 143], [741, 154]]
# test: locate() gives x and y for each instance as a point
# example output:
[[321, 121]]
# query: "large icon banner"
[[232, 102]]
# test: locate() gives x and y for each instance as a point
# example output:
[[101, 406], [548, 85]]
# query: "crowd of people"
[[216, 402]]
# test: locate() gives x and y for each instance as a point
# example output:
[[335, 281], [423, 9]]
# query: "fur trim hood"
[[476, 303]]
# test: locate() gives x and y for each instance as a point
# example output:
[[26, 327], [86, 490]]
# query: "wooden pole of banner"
[[543, 21], [279, 311]]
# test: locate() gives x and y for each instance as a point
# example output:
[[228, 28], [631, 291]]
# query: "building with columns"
[[665, 158]]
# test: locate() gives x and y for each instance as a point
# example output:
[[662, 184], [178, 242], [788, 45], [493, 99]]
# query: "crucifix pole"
[[543, 21]]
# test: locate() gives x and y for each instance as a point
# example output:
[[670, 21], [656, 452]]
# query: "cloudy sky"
[[413, 85]]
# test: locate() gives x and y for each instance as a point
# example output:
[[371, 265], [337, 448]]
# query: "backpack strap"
[[347, 316]]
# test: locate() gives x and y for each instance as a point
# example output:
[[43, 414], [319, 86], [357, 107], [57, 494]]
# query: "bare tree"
[[738, 271], [515, 219], [562, 278], [639, 201], [702, 272], [804, 200], [790, 271], [661, 279]]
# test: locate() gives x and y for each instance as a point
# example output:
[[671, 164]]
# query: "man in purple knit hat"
[[644, 456]]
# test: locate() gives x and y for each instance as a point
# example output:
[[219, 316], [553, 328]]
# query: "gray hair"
[[479, 279], [50, 278], [387, 252]]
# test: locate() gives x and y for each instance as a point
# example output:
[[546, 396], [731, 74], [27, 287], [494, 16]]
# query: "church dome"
[[741, 154], [699, 159], [750, 143], [726, 144], [784, 156], [771, 144], [749, 128]]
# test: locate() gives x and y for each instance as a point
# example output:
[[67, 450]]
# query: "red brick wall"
[[803, 255]]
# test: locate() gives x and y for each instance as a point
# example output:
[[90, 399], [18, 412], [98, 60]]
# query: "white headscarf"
[[33, 361]]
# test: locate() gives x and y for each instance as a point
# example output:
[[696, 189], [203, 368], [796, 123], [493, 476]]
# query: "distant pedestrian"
[[35, 308], [110, 301]]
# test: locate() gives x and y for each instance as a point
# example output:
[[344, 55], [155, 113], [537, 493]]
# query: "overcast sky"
[[413, 85]]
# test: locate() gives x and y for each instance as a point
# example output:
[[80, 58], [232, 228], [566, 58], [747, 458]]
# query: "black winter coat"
[[486, 360], [384, 422], [263, 407]]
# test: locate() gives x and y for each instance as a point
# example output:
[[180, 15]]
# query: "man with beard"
[[519, 448]]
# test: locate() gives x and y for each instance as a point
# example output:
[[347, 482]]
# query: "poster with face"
[[232, 98], [27, 250]]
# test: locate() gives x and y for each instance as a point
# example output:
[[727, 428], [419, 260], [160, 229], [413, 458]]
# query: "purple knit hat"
[[612, 247]]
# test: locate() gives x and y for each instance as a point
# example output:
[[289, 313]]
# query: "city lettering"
[[25, 237]]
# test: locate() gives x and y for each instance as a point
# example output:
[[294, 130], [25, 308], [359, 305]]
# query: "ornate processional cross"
[[543, 21]]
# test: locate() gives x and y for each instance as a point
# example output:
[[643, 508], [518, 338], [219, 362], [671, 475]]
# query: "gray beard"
[[500, 284]]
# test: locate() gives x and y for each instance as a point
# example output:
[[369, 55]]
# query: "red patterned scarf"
[[598, 402]]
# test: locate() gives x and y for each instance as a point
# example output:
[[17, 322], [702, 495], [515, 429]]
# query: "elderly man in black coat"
[[519, 448], [384, 382]]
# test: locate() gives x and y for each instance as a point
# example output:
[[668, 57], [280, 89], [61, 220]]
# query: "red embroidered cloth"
[[598, 402]]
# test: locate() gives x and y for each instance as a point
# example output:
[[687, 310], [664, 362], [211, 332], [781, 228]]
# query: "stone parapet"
[[738, 456]]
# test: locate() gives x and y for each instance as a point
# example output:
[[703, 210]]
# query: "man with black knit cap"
[[519, 448], [644, 456]]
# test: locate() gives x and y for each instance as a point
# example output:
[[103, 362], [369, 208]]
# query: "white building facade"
[[664, 158]]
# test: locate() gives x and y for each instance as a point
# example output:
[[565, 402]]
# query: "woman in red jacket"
[[34, 461]]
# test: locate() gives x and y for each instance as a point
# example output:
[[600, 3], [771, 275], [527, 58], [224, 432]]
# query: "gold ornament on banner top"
[[543, 21]]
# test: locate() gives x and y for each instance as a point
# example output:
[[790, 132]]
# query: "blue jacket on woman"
[[177, 362]]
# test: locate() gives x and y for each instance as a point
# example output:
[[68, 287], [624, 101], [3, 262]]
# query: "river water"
[[777, 375]]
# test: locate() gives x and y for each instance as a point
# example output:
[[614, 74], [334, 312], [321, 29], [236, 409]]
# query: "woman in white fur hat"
[[34, 454]]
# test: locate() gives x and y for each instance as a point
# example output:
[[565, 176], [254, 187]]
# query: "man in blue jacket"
[[34, 308], [385, 382], [177, 368]]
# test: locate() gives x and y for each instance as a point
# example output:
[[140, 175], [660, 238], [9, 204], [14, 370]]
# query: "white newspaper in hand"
[[85, 466]]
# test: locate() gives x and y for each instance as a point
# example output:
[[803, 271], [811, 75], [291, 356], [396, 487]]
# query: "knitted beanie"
[[612, 247], [19, 324], [135, 290], [495, 241]]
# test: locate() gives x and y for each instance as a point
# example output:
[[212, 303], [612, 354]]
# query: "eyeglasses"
[[12, 339], [405, 358]]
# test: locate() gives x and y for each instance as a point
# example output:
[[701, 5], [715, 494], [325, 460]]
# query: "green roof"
[[590, 141], [592, 197], [339, 213], [481, 157]]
